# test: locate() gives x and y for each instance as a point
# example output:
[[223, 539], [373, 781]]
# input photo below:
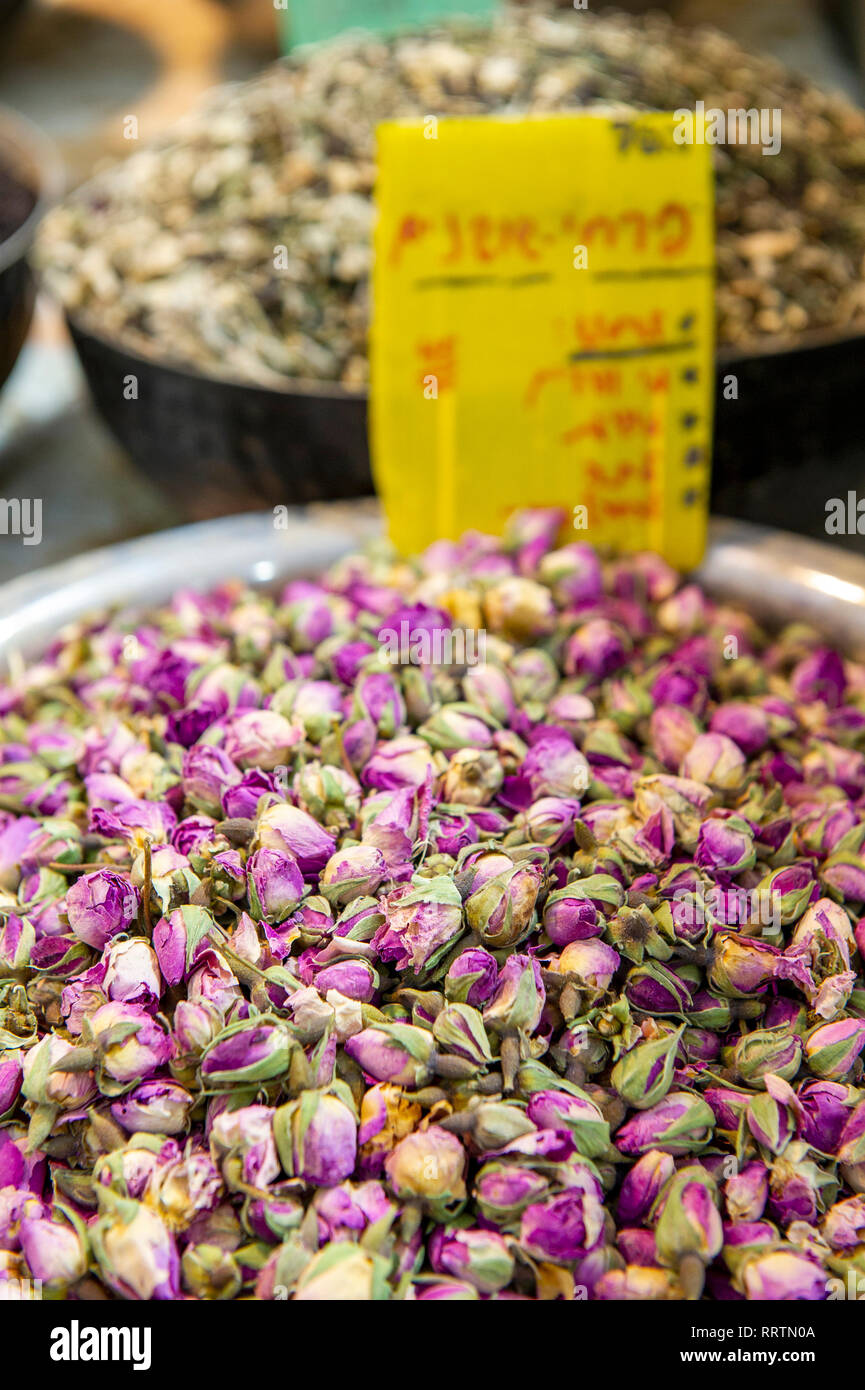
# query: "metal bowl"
[[216, 447], [775, 576], [32, 160]]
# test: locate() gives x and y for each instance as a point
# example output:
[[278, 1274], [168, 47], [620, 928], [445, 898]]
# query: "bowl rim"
[[45, 160], [80, 326]]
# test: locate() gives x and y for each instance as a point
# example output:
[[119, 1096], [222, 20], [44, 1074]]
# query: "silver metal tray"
[[774, 575]]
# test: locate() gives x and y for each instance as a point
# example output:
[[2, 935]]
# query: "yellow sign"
[[543, 328]]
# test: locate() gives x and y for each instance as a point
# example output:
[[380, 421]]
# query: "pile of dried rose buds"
[[327, 977]]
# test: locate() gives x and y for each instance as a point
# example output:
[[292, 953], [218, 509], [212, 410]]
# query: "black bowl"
[[790, 439], [29, 159]]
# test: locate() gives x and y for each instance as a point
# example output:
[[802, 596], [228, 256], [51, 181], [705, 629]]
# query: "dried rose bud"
[[571, 915], [643, 1075], [54, 1252], [395, 1052], [593, 963], [500, 895], [352, 873], [637, 1283], [242, 1145], [655, 990], [101, 904], [154, 1107], [771, 1115], [725, 845], [519, 997], [782, 1276], [679, 1124], [136, 1253], [715, 760], [690, 1223], [503, 1190], [342, 1272], [824, 1110], [789, 890], [832, 1048], [573, 1113], [740, 966], [519, 609], [460, 1029], [316, 1138], [767, 1050], [275, 884], [472, 977], [745, 1192], [566, 1227], [422, 920], [210, 1273], [642, 1184], [746, 724], [429, 1166], [249, 1050], [289, 830], [480, 1257]]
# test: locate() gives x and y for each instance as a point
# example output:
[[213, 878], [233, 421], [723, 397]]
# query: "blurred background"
[[75, 67]]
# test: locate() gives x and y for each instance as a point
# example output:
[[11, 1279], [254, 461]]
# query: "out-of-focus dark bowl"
[[789, 440], [219, 447], [29, 157]]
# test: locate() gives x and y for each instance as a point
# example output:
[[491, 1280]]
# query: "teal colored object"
[[310, 21]]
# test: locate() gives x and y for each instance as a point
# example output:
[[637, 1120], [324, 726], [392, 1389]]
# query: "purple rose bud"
[[565, 1228], [571, 916], [316, 1138], [819, 676], [10, 1084], [679, 1124], [54, 1252], [249, 1050], [154, 1107], [136, 1252], [715, 760], [421, 922], [576, 1115], [243, 798], [592, 962], [772, 1114], [480, 1257], [242, 1144], [101, 904], [726, 845], [672, 731], [472, 977], [132, 973], [747, 725], [642, 1185], [765, 1051], [260, 738], [275, 884], [656, 990], [355, 979], [179, 938], [832, 1048], [131, 1044], [287, 829], [395, 1052], [690, 1223], [402, 762], [351, 873], [745, 1192], [519, 997], [504, 1190], [783, 1276], [596, 650], [740, 966], [844, 1224], [207, 773], [824, 1111]]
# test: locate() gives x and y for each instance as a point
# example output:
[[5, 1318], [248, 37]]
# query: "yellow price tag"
[[543, 328]]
